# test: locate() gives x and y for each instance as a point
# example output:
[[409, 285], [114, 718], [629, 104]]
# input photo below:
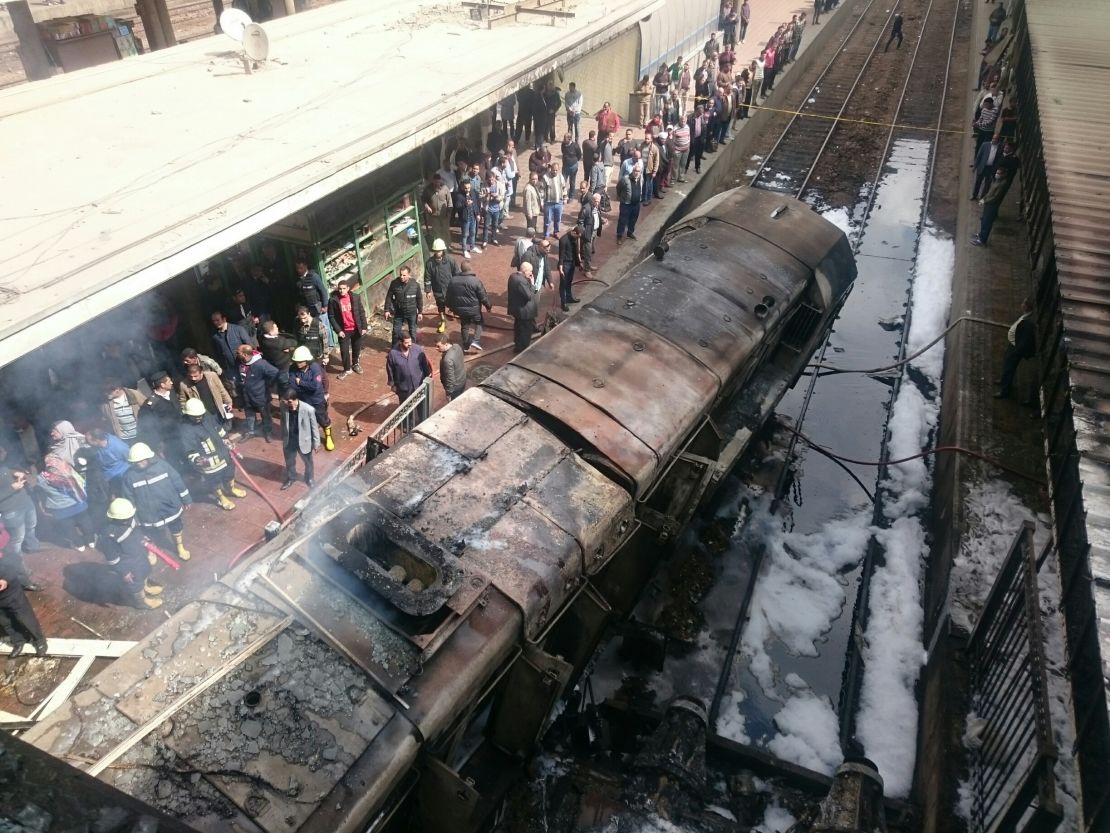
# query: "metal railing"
[[1012, 767], [407, 416]]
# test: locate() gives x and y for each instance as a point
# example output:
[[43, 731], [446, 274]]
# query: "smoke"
[[65, 378]]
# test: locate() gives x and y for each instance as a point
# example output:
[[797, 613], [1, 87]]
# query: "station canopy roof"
[[121, 176]]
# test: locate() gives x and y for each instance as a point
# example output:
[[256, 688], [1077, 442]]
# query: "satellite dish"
[[255, 42], [233, 22]]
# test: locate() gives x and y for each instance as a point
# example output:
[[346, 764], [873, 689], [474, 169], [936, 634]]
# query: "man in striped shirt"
[[121, 411], [681, 136]]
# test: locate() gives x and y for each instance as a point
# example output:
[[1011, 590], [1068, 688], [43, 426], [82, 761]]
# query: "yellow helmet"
[[140, 452], [302, 354], [121, 509], [194, 408]]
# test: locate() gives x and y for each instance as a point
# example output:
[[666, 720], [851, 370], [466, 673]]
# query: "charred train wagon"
[[388, 665]]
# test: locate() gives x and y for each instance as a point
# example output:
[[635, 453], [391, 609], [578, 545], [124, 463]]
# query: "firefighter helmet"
[[194, 408], [140, 452], [302, 354], [121, 509]]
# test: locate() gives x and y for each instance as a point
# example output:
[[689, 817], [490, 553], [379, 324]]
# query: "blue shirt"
[[113, 457]]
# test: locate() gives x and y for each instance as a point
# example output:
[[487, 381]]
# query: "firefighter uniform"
[[124, 546], [158, 494], [203, 443]]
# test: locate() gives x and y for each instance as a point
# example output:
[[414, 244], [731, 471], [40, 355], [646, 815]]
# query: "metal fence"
[[407, 416], [1012, 766]]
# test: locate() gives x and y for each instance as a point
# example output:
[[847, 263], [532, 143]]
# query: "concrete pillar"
[[36, 63], [156, 23]]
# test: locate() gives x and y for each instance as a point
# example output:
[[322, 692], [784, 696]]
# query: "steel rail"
[[836, 60]]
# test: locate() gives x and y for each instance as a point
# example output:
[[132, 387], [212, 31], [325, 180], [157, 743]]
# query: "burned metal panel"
[[649, 386], [668, 303], [470, 503], [458, 673], [534, 683], [426, 464], [621, 447], [530, 560], [281, 731], [337, 617], [473, 423], [586, 505], [787, 223]]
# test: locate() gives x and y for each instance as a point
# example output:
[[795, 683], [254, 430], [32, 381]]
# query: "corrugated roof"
[[120, 176], [1070, 42]]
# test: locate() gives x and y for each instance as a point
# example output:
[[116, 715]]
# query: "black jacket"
[[521, 297], [541, 263], [123, 545], [278, 350], [404, 298], [227, 342], [438, 273], [255, 379], [158, 492], [466, 295], [1025, 338], [160, 418], [586, 222], [335, 314], [570, 249]]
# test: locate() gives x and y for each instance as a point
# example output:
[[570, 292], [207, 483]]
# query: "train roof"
[[631, 368]]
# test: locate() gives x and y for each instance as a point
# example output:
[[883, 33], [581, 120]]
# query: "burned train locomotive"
[[392, 657]]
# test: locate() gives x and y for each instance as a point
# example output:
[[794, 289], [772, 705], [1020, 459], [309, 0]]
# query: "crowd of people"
[[158, 432]]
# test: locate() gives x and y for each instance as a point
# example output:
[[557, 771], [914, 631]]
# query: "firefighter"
[[124, 545], [158, 494], [307, 378], [205, 446]]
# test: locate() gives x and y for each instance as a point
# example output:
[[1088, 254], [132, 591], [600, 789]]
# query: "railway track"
[[788, 166]]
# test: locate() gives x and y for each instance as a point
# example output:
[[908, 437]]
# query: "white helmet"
[[121, 509], [194, 408], [438, 245], [140, 452]]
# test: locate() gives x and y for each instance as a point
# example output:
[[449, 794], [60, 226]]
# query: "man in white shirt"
[[573, 102]]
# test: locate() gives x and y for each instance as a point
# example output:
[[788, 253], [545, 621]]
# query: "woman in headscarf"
[[64, 441], [63, 496]]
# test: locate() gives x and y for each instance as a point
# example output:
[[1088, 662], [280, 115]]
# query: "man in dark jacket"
[[406, 368], [452, 367], [277, 348], [349, 319], [306, 377], [19, 519], [17, 618], [313, 294], [570, 258], [591, 221], [630, 191], [1022, 338], [538, 258], [124, 546], [256, 376], [226, 341], [466, 295], [521, 302], [158, 494], [161, 415], [438, 271], [404, 303]]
